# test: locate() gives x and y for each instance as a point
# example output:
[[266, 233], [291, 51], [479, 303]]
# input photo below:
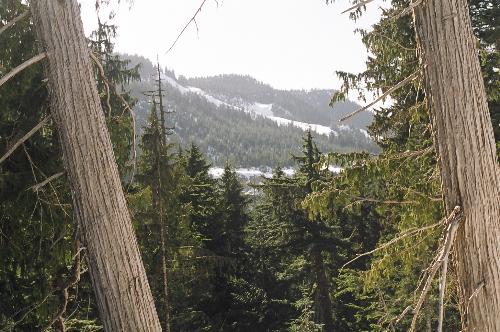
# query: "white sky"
[[289, 44]]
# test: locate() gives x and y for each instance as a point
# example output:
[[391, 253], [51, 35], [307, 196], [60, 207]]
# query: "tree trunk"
[[115, 265], [157, 189], [467, 158], [322, 301]]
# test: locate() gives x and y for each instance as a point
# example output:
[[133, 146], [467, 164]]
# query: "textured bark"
[[115, 265], [467, 158]]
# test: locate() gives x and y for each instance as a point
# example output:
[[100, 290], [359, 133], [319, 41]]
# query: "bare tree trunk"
[[162, 113], [157, 190], [160, 147], [118, 276], [467, 157]]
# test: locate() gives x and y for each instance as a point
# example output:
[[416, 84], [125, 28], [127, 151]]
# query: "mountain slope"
[[310, 106], [249, 124]]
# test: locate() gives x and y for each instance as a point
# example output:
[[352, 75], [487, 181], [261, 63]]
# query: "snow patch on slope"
[[264, 110], [198, 91], [319, 129]]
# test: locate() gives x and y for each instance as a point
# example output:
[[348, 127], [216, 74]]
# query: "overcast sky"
[[290, 44]]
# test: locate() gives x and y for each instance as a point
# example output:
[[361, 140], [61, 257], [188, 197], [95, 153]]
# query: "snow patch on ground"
[[248, 173], [252, 172], [335, 169]]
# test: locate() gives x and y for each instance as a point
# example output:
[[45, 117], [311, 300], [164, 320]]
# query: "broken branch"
[[452, 223]]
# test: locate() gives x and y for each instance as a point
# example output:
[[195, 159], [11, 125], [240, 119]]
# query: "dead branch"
[[37, 186], [73, 279], [452, 223], [24, 138], [192, 20], [406, 234], [21, 67], [412, 154], [393, 41], [356, 6], [14, 21], [398, 319], [385, 94], [373, 200], [104, 79], [442, 288], [473, 295], [408, 9]]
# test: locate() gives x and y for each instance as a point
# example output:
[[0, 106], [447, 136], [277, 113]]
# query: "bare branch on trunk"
[[385, 94], [14, 21], [21, 67], [24, 138], [38, 186], [452, 223], [356, 6]]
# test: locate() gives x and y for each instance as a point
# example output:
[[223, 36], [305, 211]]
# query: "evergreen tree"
[[233, 214], [39, 257], [309, 247], [400, 186], [200, 193]]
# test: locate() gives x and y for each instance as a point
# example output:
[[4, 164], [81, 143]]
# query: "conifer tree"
[[233, 214], [304, 242], [402, 185]]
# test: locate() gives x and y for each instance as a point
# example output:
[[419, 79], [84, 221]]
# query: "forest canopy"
[[110, 218]]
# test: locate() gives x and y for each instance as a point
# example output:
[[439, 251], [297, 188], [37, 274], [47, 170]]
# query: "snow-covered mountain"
[[238, 119], [258, 109]]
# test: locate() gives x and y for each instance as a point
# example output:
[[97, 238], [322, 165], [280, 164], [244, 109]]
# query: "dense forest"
[[110, 220], [225, 132]]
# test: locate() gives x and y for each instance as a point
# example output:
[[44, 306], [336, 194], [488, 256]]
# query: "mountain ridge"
[[238, 119]]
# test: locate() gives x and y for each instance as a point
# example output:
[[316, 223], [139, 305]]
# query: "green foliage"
[[270, 261], [399, 189], [37, 231], [246, 140]]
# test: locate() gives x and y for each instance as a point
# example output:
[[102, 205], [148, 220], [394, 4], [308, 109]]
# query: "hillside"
[[238, 119]]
